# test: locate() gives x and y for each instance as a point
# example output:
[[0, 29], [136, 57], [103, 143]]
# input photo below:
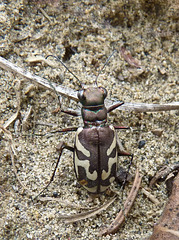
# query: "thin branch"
[[167, 226], [45, 14], [150, 196], [13, 153], [70, 93], [10, 120], [114, 226], [88, 214], [67, 92], [163, 173], [26, 118]]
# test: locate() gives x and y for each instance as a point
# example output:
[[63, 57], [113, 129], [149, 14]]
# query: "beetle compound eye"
[[104, 91], [81, 95]]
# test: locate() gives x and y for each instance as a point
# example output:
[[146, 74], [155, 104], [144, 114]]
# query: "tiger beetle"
[[96, 146]]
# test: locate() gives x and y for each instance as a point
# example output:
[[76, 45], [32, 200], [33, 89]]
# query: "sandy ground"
[[84, 34]]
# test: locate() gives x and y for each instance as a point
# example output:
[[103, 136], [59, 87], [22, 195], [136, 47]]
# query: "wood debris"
[[128, 58], [114, 226], [45, 14], [88, 214], [12, 152], [150, 196], [163, 173], [25, 119], [157, 132], [167, 226], [71, 94]]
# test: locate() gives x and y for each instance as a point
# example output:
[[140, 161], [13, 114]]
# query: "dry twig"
[[163, 173], [70, 93], [150, 196], [15, 115], [84, 215], [26, 118], [167, 226], [10, 120], [12, 154], [45, 14], [114, 226], [64, 91], [128, 57]]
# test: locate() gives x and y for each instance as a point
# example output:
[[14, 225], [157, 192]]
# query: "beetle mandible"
[[96, 146]]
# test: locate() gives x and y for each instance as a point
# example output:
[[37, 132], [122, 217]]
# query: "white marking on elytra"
[[111, 161], [113, 144], [103, 188], [85, 164], [92, 189], [78, 144], [111, 179]]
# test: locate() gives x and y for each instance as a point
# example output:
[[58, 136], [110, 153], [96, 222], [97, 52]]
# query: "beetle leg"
[[70, 129], [61, 146], [67, 111], [121, 127], [121, 152], [71, 112], [111, 108]]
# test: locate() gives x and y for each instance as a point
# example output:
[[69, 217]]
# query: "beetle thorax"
[[93, 110], [95, 116]]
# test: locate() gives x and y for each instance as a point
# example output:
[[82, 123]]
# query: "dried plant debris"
[[167, 226], [128, 58], [10, 120], [162, 174], [88, 214], [114, 226], [70, 93], [39, 59], [12, 152], [120, 217], [158, 132], [45, 14], [25, 120], [150, 196]]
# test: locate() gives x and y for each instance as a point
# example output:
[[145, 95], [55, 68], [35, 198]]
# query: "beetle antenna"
[[104, 66], [66, 68]]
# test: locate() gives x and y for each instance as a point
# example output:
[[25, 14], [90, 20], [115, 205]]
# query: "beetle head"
[[92, 96]]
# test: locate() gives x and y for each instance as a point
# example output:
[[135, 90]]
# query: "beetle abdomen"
[[95, 157]]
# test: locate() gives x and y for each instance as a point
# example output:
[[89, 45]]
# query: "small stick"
[[25, 119], [70, 93], [150, 196], [128, 57], [45, 15], [9, 121], [12, 153], [36, 79], [15, 115], [174, 233], [114, 226], [163, 173], [84, 215]]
